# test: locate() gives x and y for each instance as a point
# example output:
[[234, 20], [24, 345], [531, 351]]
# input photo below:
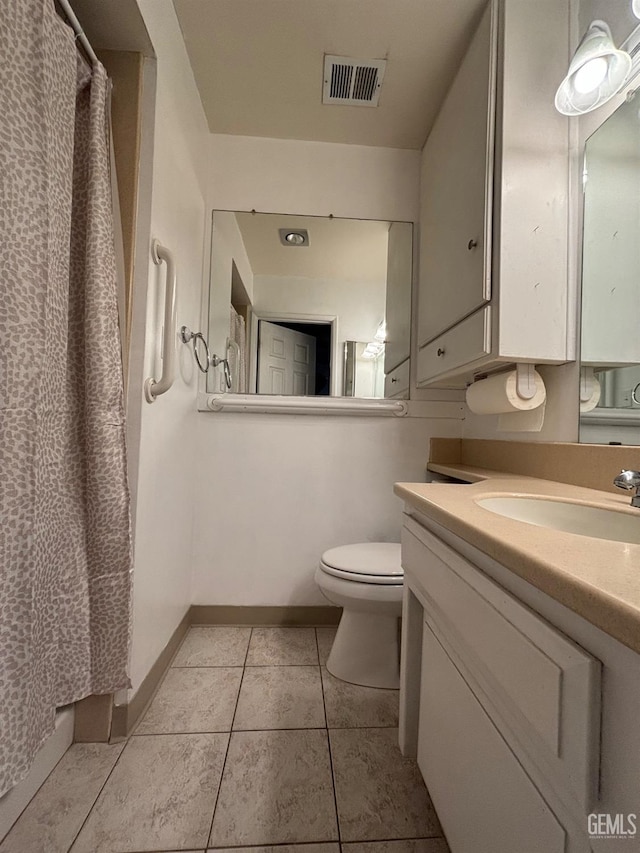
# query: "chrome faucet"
[[629, 480]]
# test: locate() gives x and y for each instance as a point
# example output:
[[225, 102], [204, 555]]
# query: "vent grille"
[[355, 82], [341, 76]]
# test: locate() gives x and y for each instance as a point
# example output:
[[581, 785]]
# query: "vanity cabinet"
[[481, 793], [504, 713], [494, 203]]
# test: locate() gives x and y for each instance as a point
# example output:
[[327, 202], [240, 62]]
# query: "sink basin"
[[575, 518]]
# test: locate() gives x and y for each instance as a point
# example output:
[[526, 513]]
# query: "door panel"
[[286, 361]]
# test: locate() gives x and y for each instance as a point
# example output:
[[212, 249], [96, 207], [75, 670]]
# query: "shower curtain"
[[65, 540], [238, 353]]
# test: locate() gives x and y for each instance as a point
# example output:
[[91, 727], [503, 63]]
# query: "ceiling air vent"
[[355, 82]]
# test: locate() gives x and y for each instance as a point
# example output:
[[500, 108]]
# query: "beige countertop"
[[598, 579]]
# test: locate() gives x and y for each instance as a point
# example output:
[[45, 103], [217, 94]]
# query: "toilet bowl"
[[366, 581]]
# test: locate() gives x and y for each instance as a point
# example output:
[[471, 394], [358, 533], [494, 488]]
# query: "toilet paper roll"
[[589, 393], [530, 421], [498, 395]]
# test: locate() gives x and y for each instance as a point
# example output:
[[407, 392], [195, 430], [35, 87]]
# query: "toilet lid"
[[369, 562]]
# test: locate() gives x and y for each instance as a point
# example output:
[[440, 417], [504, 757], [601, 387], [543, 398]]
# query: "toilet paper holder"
[[526, 381]]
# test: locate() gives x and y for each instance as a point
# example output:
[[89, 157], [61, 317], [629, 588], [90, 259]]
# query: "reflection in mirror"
[[610, 350], [363, 370], [309, 306]]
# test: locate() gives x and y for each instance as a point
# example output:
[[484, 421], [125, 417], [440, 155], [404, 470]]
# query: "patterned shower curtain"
[[237, 353], [65, 537]]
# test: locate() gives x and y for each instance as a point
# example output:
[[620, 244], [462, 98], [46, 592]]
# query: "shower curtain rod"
[[77, 28]]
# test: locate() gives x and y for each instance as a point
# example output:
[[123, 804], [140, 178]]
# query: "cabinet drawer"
[[484, 799], [462, 345], [396, 383], [543, 685]]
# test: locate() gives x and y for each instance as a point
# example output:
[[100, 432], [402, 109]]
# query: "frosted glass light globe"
[[591, 75]]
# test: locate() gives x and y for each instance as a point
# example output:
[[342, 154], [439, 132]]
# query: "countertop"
[[595, 578]]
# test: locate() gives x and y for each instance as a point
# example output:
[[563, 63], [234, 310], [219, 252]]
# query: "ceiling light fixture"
[[297, 237], [597, 72], [636, 8], [381, 332], [373, 349]]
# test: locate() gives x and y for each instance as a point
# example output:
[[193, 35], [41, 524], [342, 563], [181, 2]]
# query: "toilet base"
[[366, 650]]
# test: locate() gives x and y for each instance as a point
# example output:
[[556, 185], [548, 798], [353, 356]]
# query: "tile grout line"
[[333, 779], [122, 751], [35, 794], [277, 729], [248, 666], [224, 763], [102, 787]]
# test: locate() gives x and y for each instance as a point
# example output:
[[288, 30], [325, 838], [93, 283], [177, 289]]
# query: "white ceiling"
[[258, 64], [338, 248]]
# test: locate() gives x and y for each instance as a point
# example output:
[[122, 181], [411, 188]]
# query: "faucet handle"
[[627, 480]]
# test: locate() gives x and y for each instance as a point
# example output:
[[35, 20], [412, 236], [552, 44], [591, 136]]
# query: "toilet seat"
[[368, 562]]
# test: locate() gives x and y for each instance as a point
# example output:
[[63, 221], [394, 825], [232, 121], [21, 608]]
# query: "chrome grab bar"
[[153, 389]]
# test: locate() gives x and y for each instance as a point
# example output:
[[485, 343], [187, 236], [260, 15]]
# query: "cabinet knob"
[[395, 379], [472, 244], [440, 351]]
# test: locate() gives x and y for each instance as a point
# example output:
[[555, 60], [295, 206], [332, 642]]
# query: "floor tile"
[[276, 789], [286, 848], [350, 706], [421, 845], [282, 647], [160, 796], [325, 636], [280, 697], [213, 647], [380, 794], [54, 816], [193, 699]]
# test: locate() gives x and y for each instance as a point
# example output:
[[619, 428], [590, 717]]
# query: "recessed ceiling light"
[[294, 237]]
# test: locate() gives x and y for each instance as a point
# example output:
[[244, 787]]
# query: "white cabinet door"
[[396, 383], [457, 176], [398, 307], [484, 799]]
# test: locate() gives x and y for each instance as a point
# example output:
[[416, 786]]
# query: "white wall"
[[274, 491], [313, 178], [359, 305], [161, 447]]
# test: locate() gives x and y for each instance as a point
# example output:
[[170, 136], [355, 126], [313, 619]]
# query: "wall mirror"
[[309, 306], [610, 348]]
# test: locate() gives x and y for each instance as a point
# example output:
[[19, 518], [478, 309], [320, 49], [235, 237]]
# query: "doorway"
[[294, 358]]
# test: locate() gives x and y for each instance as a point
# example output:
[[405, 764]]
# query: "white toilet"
[[366, 581]]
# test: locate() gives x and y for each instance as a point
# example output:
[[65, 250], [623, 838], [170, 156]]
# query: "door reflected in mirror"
[[309, 306], [610, 345]]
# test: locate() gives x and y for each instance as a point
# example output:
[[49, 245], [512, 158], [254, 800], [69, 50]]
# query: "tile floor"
[[249, 743]]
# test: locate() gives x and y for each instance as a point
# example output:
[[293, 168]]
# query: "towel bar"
[[153, 389]]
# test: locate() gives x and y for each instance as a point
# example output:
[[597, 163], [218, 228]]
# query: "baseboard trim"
[[92, 719], [221, 614], [125, 717]]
